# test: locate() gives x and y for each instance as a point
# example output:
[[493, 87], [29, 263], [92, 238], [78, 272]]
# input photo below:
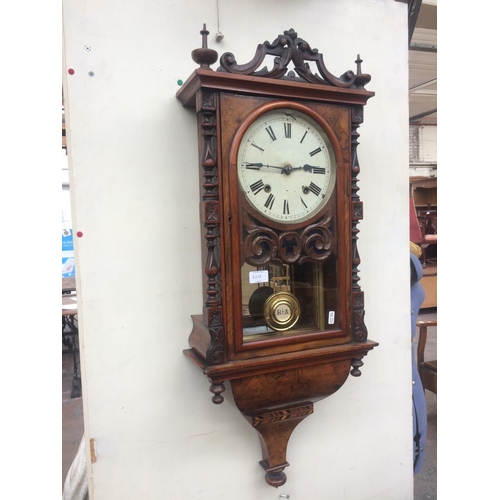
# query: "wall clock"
[[286, 165], [283, 317]]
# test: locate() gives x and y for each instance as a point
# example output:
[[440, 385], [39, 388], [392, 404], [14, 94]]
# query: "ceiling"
[[423, 62]]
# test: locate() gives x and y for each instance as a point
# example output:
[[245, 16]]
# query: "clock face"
[[286, 166]]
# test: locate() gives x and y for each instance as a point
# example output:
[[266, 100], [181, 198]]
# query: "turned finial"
[[204, 56], [358, 62], [361, 78]]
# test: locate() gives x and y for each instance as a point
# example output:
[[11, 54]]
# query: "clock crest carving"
[[283, 314]]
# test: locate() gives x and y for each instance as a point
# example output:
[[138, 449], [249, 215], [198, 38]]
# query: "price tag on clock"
[[258, 276], [331, 317]]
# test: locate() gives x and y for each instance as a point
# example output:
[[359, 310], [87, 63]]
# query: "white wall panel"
[[133, 171], [428, 143]]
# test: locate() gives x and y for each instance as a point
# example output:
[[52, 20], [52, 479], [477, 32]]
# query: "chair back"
[[415, 231]]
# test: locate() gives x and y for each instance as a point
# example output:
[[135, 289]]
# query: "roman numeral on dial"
[[271, 133], [315, 152], [269, 202], [315, 189], [257, 187], [288, 130], [286, 207]]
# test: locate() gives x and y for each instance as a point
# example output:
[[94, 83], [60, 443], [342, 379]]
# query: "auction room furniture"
[[70, 339], [423, 228], [427, 220], [427, 369]]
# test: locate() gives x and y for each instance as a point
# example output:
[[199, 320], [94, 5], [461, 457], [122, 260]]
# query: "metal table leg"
[[70, 340]]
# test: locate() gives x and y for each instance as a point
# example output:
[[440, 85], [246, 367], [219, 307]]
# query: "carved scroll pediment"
[[289, 48]]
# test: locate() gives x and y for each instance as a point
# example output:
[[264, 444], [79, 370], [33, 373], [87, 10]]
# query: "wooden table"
[[429, 282], [68, 285], [70, 339]]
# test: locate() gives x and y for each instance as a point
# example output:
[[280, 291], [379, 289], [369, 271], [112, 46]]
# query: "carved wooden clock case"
[[283, 316]]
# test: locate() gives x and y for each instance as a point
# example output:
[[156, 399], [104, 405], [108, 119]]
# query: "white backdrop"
[[134, 183]]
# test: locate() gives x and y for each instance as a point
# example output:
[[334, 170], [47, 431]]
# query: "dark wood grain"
[[275, 380], [427, 369]]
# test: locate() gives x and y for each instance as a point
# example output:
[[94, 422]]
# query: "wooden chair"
[[423, 229], [426, 369], [428, 225]]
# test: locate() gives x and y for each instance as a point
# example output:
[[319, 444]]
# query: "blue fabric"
[[419, 407]]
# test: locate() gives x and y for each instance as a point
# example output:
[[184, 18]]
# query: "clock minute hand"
[[258, 166], [253, 166]]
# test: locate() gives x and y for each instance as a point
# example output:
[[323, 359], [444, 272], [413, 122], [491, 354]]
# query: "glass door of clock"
[[288, 299]]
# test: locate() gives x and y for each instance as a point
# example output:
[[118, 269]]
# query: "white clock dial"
[[286, 166]]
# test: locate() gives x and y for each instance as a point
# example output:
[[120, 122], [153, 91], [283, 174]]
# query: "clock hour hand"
[[288, 169], [308, 168], [313, 168]]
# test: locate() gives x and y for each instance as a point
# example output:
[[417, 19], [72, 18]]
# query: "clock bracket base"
[[274, 403]]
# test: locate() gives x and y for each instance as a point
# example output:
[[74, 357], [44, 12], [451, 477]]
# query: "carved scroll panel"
[[265, 245]]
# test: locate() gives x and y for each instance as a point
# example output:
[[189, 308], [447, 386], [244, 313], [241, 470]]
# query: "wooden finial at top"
[[204, 56], [361, 78]]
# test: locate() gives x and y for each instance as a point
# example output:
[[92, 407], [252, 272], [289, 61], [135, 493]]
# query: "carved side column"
[[359, 331], [206, 108]]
